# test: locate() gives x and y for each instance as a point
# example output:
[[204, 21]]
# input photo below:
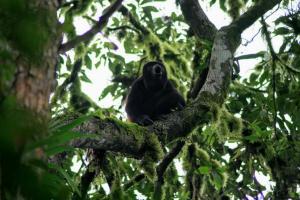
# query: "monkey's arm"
[[134, 105]]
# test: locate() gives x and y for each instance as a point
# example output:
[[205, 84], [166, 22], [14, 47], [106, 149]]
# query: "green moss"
[[195, 157], [215, 112], [202, 154], [27, 28], [153, 153], [148, 141], [7, 73], [229, 124], [129, 128]]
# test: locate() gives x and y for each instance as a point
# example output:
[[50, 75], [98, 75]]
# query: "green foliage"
[[23, 159], [255, 131]]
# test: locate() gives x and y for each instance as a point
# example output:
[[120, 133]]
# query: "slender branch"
[[249, 56], [61, 90], [125, 12], [133, 181], [161, 168], [124, 27], [94, 30], [273, 80], [85, 181], [253, 37]]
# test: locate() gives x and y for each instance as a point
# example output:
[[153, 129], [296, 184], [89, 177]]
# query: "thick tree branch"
[[226, 41], [109, 136], [94, 30], [249, 17], [197, 19]]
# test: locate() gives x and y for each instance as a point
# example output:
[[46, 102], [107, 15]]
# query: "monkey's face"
[[154, 70], [155, 75]]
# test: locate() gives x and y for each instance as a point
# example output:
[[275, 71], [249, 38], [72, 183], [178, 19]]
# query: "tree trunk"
[[32, 45]]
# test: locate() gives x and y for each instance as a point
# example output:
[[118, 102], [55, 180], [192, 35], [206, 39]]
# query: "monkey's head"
[[154, 75]]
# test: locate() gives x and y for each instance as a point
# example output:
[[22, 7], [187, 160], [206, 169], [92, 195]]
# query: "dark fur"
[[152, 95]]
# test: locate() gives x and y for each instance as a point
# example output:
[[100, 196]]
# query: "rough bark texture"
[[197, 19], [110, 137], [35, 80]]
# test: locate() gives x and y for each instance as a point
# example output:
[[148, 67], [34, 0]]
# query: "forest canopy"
[[236, 138]]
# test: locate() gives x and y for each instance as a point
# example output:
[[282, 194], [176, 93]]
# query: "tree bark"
[[34, 77]]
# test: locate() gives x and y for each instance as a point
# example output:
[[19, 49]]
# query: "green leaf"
[[58, 139], [222, 5], [109, 89], [148, 1], [212, 2], [150, 9], [58, 149], [66, 127], [282, 31], [85, 78], [109, 45], [217, 180], [204, 169], [88, 62], [72, 183]]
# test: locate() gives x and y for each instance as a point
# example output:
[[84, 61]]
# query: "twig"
[[124, 27], [136, 179], [60, 91], [251, 40], [125, 12], [94, 30], [161, 168], [274, 59]]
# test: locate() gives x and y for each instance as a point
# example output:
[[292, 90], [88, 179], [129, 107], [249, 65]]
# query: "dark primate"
[[152, 95]]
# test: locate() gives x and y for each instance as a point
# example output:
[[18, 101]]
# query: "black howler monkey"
[[152, 95]]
